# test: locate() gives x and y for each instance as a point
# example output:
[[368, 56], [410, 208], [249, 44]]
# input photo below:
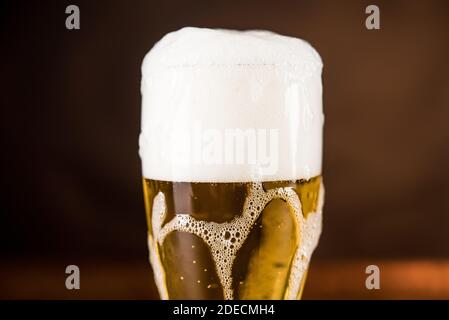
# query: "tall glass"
[[231, 146]]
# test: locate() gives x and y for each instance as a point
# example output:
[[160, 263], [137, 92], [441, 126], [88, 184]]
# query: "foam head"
[[231, 106]]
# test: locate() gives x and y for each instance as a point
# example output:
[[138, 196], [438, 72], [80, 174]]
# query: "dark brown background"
[[71, 188]]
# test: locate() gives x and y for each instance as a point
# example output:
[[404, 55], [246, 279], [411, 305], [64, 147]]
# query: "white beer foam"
[[201, 81]]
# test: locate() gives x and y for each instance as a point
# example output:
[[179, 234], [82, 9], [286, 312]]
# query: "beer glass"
[[231, 144]]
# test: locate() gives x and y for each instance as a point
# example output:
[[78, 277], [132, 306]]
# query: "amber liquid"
[[262, 265]]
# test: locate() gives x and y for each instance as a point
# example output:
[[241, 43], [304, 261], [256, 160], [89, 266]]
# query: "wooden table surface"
[[421, 279]]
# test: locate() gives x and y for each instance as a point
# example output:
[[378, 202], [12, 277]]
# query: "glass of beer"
[[231, 147]]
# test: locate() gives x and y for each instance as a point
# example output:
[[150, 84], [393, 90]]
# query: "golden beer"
[[260, 269]]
